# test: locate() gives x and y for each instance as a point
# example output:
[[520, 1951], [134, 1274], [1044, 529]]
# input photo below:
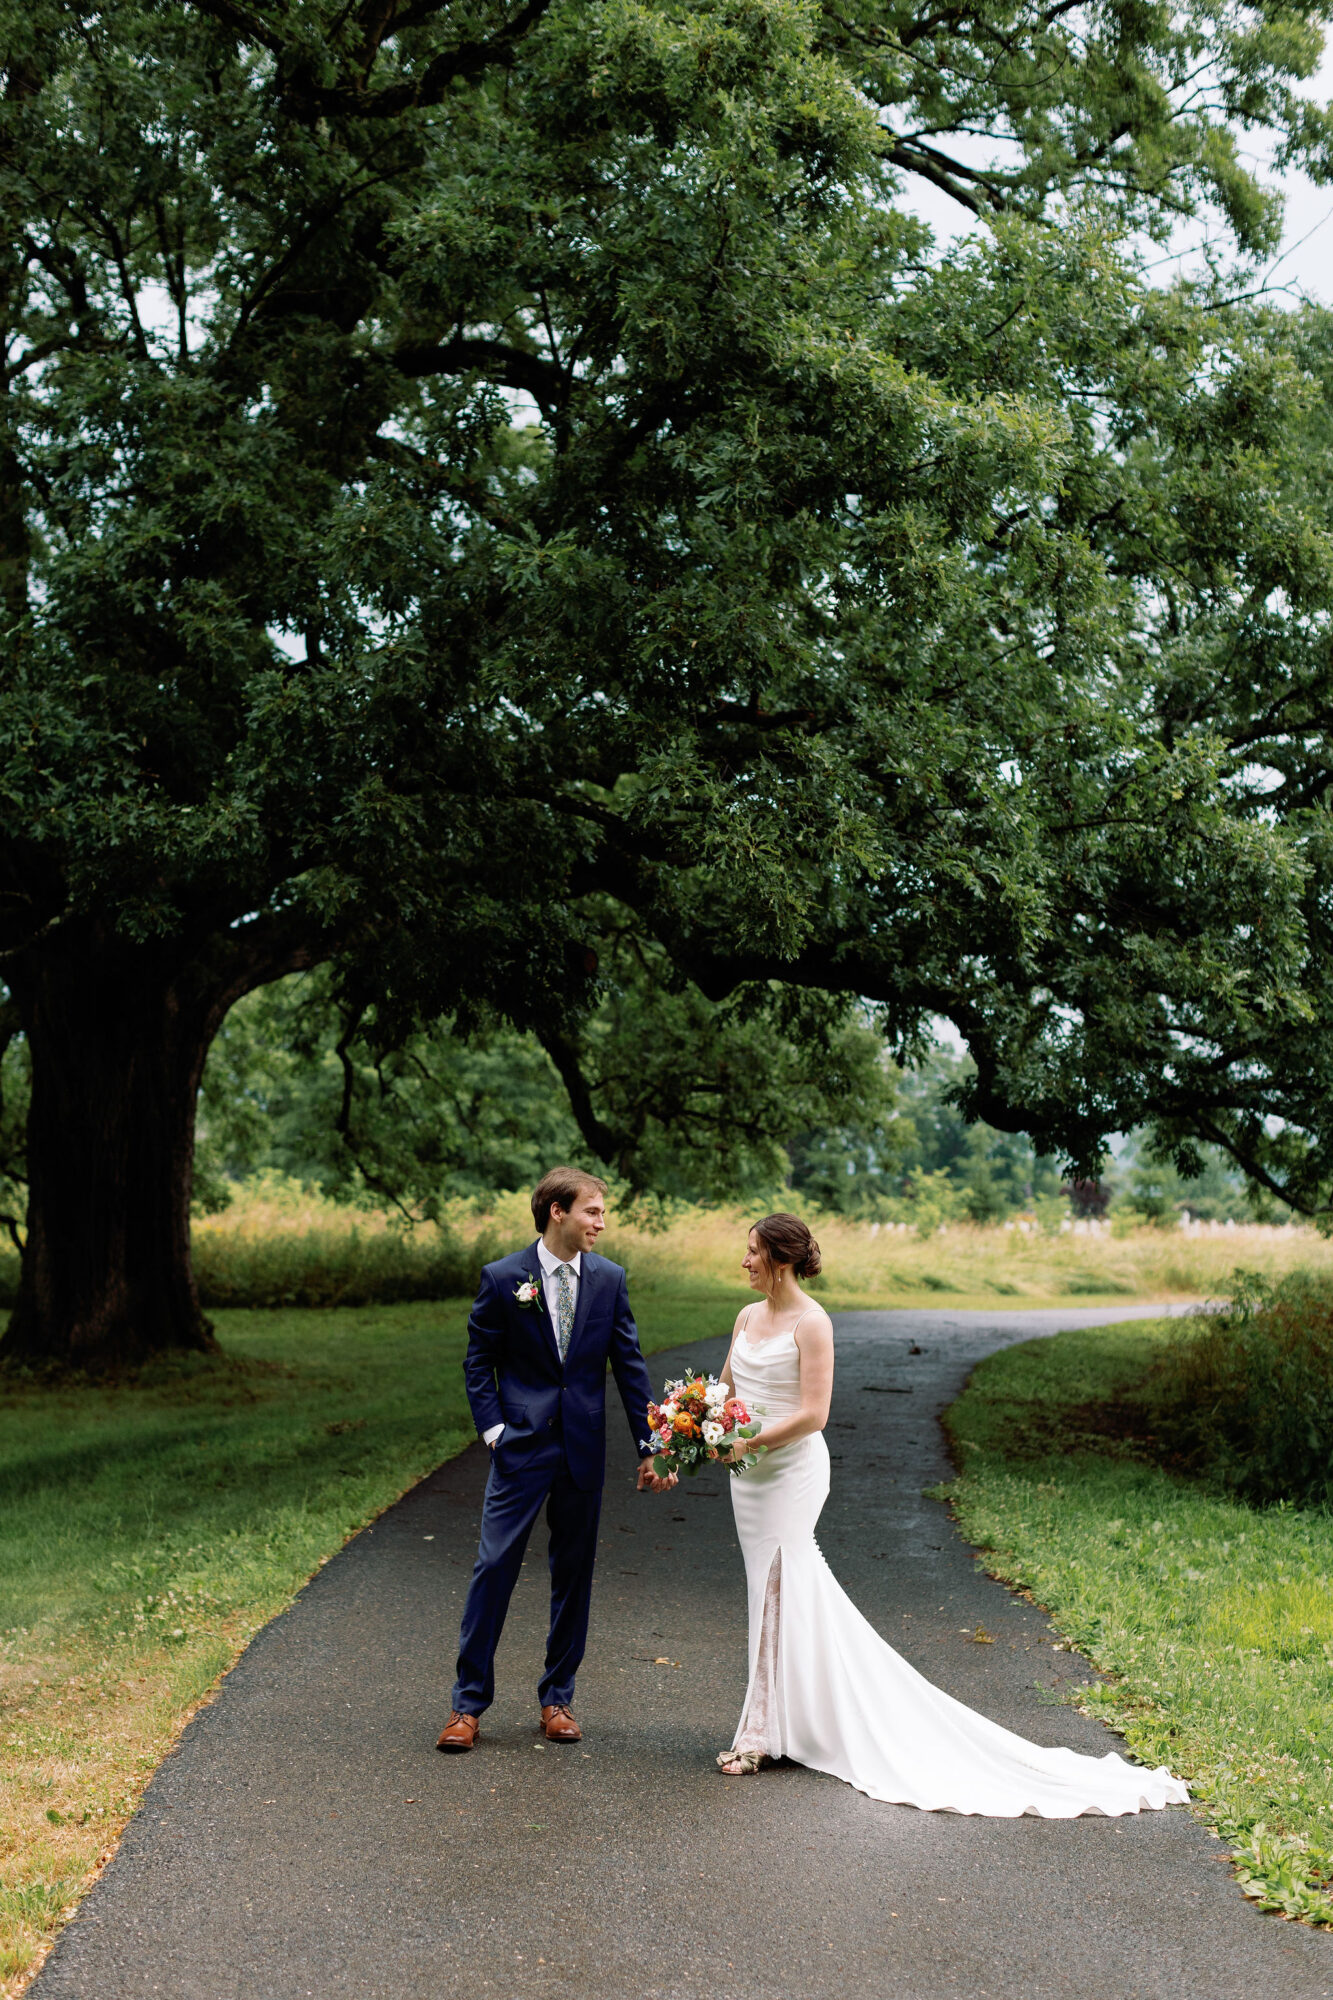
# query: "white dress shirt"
[[550, 1266]]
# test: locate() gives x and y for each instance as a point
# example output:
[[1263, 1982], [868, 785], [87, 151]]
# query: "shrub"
[[1247, 1394]]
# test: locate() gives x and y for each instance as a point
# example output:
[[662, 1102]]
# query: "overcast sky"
[[1304, 263]]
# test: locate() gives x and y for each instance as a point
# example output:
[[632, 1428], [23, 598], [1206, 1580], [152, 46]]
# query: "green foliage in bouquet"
[[697, 1424]]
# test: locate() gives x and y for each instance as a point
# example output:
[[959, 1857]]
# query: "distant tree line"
[[724, 1105]]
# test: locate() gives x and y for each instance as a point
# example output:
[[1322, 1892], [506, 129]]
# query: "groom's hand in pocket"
[[652, 1482]]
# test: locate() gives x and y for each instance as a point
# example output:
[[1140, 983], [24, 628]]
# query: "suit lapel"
[[551, 1341]]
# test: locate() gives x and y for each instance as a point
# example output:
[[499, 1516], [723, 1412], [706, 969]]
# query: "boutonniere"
[[528, 1292]]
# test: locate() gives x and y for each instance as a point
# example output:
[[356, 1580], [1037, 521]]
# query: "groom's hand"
[[652, 1482]]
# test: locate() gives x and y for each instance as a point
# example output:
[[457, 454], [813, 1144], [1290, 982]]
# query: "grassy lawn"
[[146, 1532], [150, 1529], [1213, 1620]]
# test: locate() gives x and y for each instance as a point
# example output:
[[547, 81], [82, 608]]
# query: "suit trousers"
[[515, 1494]]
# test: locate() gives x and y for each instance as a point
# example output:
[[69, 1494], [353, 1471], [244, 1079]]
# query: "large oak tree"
[[471, 477]]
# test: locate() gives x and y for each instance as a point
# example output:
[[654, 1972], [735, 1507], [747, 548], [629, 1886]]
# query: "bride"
[[825, 1689]]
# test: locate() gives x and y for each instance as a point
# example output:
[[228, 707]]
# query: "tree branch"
[[353, 100], [608, 1144], [916, 163], [255, 954], [245, 21], [545, 381]]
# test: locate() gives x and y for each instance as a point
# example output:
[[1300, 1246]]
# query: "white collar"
[[550, 1262]]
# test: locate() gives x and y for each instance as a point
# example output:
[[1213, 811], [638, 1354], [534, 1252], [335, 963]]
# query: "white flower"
[[713, 1433], [715, 1395], [526, 1293], [670, 1412]]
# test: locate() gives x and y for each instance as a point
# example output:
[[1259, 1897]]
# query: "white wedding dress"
[[827, 1691]]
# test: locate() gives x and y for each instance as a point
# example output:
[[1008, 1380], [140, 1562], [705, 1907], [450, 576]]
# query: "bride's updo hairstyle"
[[784, 1239]]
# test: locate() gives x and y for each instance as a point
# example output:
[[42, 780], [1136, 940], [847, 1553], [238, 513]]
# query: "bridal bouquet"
[[694, 1421]]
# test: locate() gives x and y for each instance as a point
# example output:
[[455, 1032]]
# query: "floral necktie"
[[564, 1281]]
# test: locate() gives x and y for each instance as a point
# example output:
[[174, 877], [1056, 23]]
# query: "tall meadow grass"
[[280, 1245]]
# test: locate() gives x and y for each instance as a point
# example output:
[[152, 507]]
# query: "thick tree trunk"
[[118, 1045]]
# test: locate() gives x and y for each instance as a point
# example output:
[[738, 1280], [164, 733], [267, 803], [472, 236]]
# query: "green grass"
[[1212, 1619], [227, 1480], [148, 1529]]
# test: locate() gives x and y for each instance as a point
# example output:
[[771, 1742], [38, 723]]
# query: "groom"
[[545, 1323]]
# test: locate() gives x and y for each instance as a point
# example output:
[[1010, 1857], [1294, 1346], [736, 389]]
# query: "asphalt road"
[[305, 1839]]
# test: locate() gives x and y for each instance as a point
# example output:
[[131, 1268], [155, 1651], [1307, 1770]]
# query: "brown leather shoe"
[[559, 1726], [460, 1732]]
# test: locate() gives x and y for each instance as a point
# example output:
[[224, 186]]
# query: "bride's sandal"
[[747, 1762]]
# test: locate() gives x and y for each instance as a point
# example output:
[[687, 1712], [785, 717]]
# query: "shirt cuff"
[[489, 1437]]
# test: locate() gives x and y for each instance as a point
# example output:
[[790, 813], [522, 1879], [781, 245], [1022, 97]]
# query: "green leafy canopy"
[[477, 482]]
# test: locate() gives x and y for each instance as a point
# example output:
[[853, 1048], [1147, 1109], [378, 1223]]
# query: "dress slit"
[[760, 1725]]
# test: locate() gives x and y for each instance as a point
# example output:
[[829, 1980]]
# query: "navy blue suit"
[[553, 1452]]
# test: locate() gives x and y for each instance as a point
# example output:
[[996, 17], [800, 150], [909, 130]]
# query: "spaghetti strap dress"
[[827, 1691]]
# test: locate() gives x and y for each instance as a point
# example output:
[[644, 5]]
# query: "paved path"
[[306, 1840]]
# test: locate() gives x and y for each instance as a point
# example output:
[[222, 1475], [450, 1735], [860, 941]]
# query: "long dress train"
[[827, 1691]]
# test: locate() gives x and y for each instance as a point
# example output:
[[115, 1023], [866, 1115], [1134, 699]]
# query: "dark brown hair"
[[784, 1239], [560, 1188]]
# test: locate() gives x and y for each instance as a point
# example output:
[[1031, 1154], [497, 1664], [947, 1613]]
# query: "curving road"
[[306, 1839]]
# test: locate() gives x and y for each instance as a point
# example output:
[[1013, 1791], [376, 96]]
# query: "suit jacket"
[[514, 1375]]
